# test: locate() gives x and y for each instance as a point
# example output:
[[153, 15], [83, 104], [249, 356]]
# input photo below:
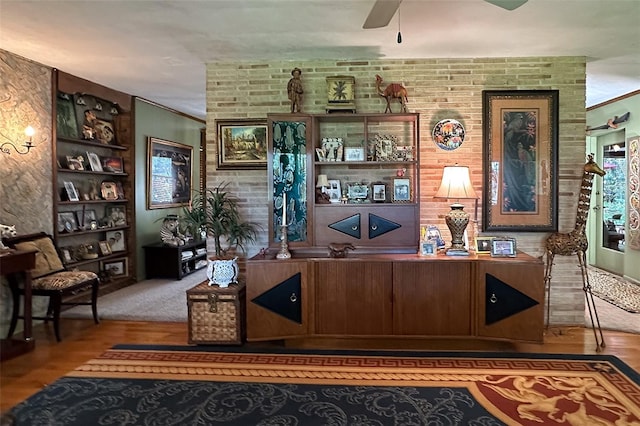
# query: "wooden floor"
[[82, 340]]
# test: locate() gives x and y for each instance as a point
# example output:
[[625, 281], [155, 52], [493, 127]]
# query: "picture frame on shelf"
[[401, 190], [433, 233], [116, 240], [169, 173], [66, 124], [357, 192], [520, 146], [105, 248], [94, 161], [483, 245], [242, 144], [334, 191], [85, 219], [95, 119], [75, 163], [109, 190], [71, 191], [353, 154], [116, 268], [66, 255], [113, 164], [333, 149], [503, 247], [67, 222], [379, 192], [320, 155], [428, 248], [115, 216]]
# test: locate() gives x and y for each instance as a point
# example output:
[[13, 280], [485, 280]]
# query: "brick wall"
[[438, 89]]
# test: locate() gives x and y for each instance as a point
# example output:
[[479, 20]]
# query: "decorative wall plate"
[[448, 134]]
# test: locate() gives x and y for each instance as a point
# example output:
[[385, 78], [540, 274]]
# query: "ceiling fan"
[[383, 11]]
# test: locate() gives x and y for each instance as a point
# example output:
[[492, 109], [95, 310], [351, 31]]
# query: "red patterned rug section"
[[526, 391]]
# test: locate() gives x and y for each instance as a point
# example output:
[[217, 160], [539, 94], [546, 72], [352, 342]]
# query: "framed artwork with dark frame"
[[242, 144], [520, 160], [169, 174], [379, 192], [67, 222], [503, 247], [70, 191], [95, 119], [116, 267]]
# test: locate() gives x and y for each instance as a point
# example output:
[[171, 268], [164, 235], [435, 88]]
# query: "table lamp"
[[456, 184], [321, 192]]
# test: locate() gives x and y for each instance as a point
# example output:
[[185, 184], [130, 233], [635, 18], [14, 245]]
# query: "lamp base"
[[457, 252], [457, 220]]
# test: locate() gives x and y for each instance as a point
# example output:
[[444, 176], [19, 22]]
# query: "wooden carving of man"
[[294, 90]]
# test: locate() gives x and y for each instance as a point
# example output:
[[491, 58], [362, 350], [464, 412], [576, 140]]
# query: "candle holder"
[[284, 246]]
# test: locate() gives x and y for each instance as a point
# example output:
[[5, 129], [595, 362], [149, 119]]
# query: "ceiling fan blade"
[[381, 13], [507, 4]]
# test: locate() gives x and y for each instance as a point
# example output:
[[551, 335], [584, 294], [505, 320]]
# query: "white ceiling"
[[157, 49]]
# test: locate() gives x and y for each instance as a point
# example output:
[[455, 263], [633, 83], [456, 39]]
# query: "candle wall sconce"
[[28, 144]]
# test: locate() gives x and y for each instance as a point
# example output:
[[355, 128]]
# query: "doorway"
[[610, 203]]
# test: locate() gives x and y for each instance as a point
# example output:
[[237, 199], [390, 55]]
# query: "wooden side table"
[[19, 263]]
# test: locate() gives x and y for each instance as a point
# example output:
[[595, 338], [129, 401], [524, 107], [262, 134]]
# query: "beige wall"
[[438, 89]]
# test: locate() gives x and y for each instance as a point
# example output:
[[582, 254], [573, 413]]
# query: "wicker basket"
[[216, 315]]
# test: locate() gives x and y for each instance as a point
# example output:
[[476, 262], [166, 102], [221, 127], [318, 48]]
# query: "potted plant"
[[214, 213]]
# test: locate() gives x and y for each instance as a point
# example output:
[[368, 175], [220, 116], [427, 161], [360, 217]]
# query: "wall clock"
[[448, 134], [341, 93]]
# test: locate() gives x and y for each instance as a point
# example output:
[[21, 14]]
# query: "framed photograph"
[[169, 174], [333, 149], [242, 144], [354, 154], [94, 161], [66, 124], [75, 163], [483, 245], [86, 217], [335, 194], [67, 222], [357, 192], [116, 240], [105, 248], [115, 216], [520, 160], [112, 164], [401, 190], [66, 254], [428, 248], [109, 190], [503, 247], [71, 192], [115, 267], [379, 192], [95, 118]]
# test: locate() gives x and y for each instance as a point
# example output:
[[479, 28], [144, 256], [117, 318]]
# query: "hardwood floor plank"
[[25, 375]]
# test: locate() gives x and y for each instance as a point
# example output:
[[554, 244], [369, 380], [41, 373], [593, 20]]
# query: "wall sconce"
[[456, 184], [29, 131]]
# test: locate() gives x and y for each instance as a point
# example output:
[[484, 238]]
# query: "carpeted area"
[[239, 386], [615, 289]]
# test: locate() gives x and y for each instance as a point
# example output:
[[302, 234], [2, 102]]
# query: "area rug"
[[131, 385], [615, 289]]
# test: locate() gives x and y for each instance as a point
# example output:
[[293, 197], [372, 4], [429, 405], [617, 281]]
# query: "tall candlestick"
[[284, 208]]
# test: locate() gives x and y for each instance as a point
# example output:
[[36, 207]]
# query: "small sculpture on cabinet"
[[170, 233], [294, 90], [392, 91], [339, 250]]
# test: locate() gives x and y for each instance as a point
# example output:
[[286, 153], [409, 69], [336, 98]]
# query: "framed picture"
[[66, 254], [109, 190], [105, 248], [71, 192], [75, 163], [354, 154], [115, 267], [169, 174], [86, 218], [116, 240], [401, 190], [67, 222], [520, 160], [95, 118], [242, 144], [94, 161], [66, 124], [379, 192], [333, 149], [335, 194], [428, 248], [503, 247], [115, 216], [483, 245], [112, 164]]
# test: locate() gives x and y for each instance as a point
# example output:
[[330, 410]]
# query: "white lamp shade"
[[456, 183], [322, 181]]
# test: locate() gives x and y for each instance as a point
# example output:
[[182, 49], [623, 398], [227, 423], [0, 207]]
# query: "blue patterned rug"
[[143, 385]]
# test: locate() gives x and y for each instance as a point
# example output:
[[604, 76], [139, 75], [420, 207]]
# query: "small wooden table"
[[19, 262]]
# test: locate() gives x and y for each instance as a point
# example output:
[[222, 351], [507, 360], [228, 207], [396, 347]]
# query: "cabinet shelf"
[[93, 144], [91, 231], [79, 203], [91, 172], [97, 259]]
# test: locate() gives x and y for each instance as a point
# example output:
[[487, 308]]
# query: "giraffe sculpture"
[[575, 242]]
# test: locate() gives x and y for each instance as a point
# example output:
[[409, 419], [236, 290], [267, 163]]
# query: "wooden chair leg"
[[15, 294], [94, 301], [55, 303]]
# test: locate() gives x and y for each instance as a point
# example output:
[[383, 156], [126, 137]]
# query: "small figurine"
[[170, 233], [295, 91], [392, 91], [339, 250]]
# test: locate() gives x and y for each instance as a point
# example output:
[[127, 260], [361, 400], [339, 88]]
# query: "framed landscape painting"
[[242, 144]]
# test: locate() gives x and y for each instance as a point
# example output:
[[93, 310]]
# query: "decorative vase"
[[222, 272]]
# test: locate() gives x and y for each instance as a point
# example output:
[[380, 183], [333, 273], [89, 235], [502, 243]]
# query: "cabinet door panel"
[[510, 297], [353, 297], [264, 276], [432, 298]]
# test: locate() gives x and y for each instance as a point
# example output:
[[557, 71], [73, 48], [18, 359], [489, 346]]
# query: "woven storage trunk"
[[216, 315]]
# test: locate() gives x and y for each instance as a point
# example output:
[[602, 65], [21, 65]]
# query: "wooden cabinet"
[[399, 295], [93, 157], [164, 261]]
